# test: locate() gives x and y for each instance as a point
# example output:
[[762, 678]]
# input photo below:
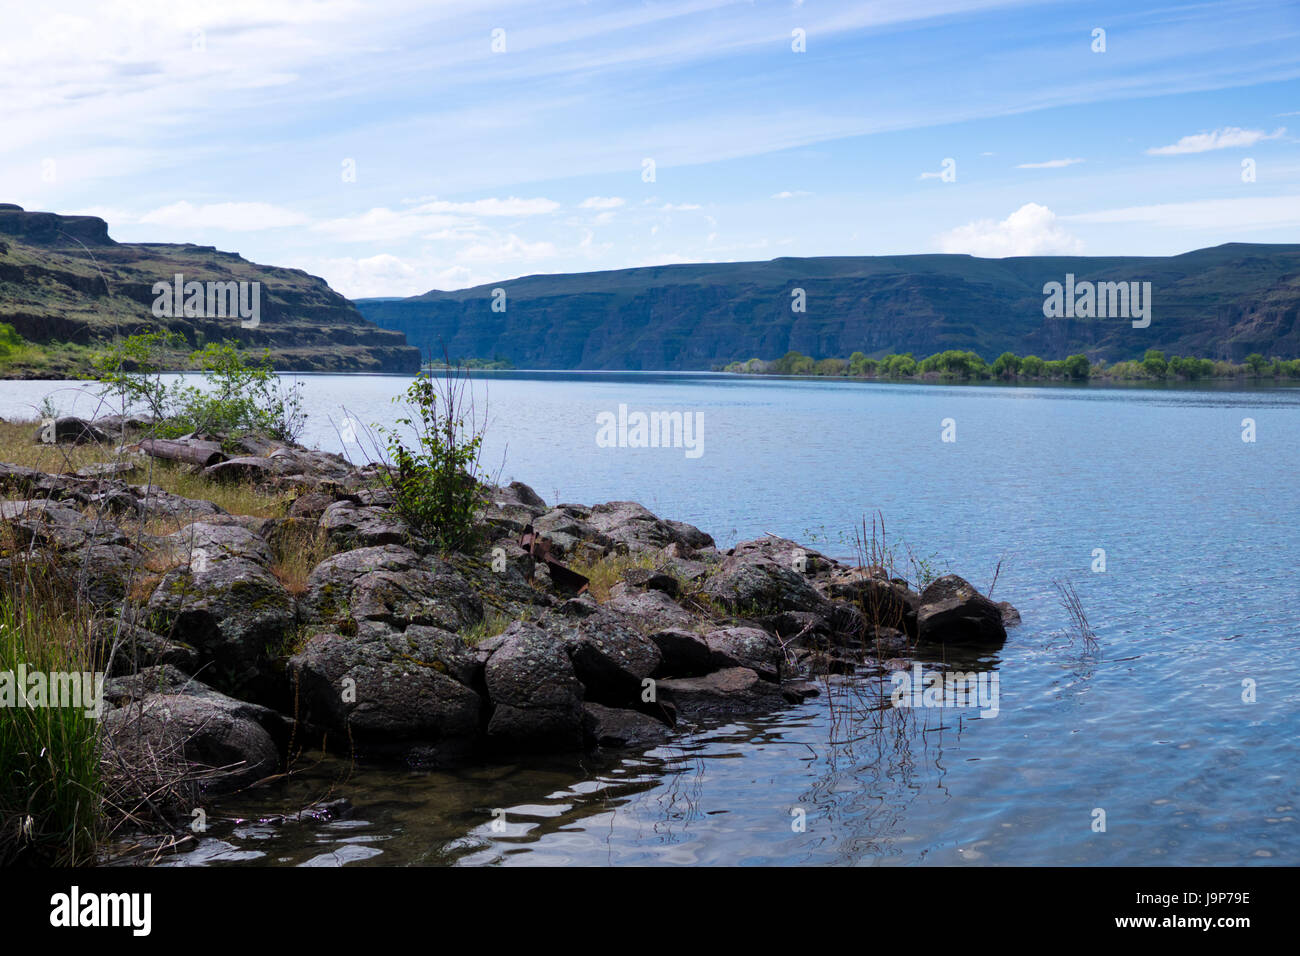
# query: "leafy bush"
[[436, 480], [240, 394]]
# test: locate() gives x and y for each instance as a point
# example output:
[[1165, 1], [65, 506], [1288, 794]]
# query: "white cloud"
[[513, 206], [382, 224], [1032, 230], [1248, 213], [1049, 164], [506, 250], [678, 207], [1230, 137], [385, 275], [602, 202], [232, 216], [790, 194]]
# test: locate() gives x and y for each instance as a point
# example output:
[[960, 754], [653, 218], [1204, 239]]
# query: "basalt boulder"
[[537, 698], [953, 612], [390, 693], [209, 733]]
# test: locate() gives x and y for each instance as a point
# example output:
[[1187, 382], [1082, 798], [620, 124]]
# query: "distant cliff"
[[66, 286], [1224, 302]]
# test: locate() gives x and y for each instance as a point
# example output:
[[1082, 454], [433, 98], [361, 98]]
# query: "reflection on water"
[[1198, 596]]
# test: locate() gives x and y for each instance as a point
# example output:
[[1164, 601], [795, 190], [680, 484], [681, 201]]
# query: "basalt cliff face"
[[1224, 302], [65, 282]]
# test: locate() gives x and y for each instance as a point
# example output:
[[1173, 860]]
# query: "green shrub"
[[239, 394], [436, 477]]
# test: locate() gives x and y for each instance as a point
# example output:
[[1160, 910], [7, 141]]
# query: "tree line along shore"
[[959, 366]]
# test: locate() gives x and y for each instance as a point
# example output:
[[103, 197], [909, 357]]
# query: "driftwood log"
[[194, 452]]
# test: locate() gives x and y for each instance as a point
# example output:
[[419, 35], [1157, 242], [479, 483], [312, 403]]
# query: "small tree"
[[1256, 363], [436, 479]]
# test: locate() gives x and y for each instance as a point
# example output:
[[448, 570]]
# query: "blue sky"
[[231, 125]]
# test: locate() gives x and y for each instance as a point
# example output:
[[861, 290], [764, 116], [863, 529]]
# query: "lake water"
[[1197, 602]]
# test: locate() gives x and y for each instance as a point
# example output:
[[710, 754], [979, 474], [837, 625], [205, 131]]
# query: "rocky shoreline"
[[392, 651]]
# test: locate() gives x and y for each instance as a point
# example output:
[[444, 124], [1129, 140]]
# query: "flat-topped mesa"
[[52, 229]]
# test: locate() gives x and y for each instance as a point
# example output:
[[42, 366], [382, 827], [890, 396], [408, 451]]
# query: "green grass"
[[50, 783]]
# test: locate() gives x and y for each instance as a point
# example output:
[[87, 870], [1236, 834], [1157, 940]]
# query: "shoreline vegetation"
[[957, 367], [239, 604]]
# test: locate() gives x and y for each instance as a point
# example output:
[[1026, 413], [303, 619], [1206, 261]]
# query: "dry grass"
[[604, 573], [18, 446], [297, 547]]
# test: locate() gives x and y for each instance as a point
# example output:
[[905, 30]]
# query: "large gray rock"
[[652, 610], [385, 589], [211, 732], [726, 693], [356, 526], [953, 612], [537, 699], [616, 728], [226, 605], [757, 582], [638, 529], [611, 658], [682, 653], [746, 647], [388, 692]]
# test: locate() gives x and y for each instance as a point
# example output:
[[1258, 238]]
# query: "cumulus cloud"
[[1049, 164], [232, 216], [790, 194], [602, 202], [1229, 137], [1032, 230]]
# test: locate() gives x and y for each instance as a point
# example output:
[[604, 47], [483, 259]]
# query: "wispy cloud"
[[1245, 213], [1230, 137], [1050, 164], [229, 216]]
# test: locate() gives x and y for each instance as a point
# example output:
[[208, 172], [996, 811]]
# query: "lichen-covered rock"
[[210, 732], [388, 692], [226, 605], [611, 658], [651, 610], [752, 581], [746, 647], [358, 526], [638, 529], [537, 699], [682, 653]]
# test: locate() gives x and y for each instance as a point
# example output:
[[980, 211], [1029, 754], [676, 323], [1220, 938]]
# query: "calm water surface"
[[1199, 594]]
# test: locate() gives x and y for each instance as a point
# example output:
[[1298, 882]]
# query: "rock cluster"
[[391, 649]]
